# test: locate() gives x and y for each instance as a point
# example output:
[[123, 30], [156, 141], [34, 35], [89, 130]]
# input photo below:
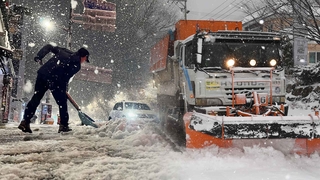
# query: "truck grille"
[[247, 91]]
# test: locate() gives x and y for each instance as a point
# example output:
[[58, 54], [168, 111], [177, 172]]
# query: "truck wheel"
[[175, 126], [162, 117]]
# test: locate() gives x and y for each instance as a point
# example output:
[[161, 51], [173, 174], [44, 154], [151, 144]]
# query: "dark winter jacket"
[[61, 67]]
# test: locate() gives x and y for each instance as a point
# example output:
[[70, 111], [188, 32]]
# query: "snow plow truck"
[[219, 85]]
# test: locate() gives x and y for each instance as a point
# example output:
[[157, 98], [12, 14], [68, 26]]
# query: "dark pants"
[[58, 91]]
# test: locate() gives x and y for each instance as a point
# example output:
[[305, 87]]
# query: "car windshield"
[[137, 106], [118, 106]]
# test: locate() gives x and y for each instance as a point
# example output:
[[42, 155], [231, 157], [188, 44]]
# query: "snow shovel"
[[85, 119]]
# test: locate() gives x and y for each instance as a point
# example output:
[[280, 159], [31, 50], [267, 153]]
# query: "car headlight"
[[132, 115]]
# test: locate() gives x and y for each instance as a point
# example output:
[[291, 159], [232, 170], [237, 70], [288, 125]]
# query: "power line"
[[214, 9], [228, 11], [172, 5], [236, 8], [222, 9]]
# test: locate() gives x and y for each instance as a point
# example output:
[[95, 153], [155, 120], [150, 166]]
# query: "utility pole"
[[69, 29], [184, 7], [17, 27]]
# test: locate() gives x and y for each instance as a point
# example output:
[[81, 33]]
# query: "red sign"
[[94, 74], [99, 4], [98, 15]]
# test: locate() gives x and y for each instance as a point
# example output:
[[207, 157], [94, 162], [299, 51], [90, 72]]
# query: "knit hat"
[[83, 52]]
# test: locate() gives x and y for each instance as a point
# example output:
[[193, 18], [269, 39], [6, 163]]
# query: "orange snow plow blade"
[[288, 134]]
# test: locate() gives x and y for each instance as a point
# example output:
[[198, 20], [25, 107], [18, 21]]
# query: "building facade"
[[309, 49]]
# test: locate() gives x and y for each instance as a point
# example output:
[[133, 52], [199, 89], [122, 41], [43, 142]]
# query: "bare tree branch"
[[303, 15]]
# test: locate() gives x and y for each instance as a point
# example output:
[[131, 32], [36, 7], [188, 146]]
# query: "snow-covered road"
[[86, 153], [111, 153]]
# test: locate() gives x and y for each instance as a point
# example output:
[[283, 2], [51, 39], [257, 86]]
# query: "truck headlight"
[[230, 62], [276, 99], [273, 62], [279, 99], [252, 62]]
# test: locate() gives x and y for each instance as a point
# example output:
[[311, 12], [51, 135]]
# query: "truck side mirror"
[[199, 50]]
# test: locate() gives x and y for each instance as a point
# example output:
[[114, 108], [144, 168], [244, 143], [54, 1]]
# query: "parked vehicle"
[[133, 111]]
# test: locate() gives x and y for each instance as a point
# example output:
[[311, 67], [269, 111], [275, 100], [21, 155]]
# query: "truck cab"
[[205, 62]]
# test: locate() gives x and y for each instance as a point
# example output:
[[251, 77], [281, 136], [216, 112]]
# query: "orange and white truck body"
[[217, 84], [208, 83]]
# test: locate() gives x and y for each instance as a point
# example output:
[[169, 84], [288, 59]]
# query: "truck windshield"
[[216, 54]]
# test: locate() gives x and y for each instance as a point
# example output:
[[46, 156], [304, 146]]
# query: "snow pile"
[[134, 134], [248, 164], [130, 133]]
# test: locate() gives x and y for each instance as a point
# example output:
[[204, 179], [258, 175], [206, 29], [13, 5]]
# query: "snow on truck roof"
[[245, 35]]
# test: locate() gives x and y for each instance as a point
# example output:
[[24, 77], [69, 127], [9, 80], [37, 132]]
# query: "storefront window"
[[312, 57], [318, 57]]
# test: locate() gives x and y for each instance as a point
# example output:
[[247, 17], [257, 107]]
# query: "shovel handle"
[[73, 102]]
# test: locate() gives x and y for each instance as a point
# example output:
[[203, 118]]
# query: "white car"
[[132, 110]]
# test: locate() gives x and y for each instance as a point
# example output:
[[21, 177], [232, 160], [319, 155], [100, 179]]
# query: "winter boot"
[[24, 126], [64, 128]]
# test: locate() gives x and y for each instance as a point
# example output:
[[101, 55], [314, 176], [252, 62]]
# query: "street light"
[[47, 24], [50, 25], [261, 22]]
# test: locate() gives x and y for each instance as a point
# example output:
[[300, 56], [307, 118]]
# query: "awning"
[[6, 52]]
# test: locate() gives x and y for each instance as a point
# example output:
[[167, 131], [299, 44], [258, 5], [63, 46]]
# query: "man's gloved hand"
[[38, 60]]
